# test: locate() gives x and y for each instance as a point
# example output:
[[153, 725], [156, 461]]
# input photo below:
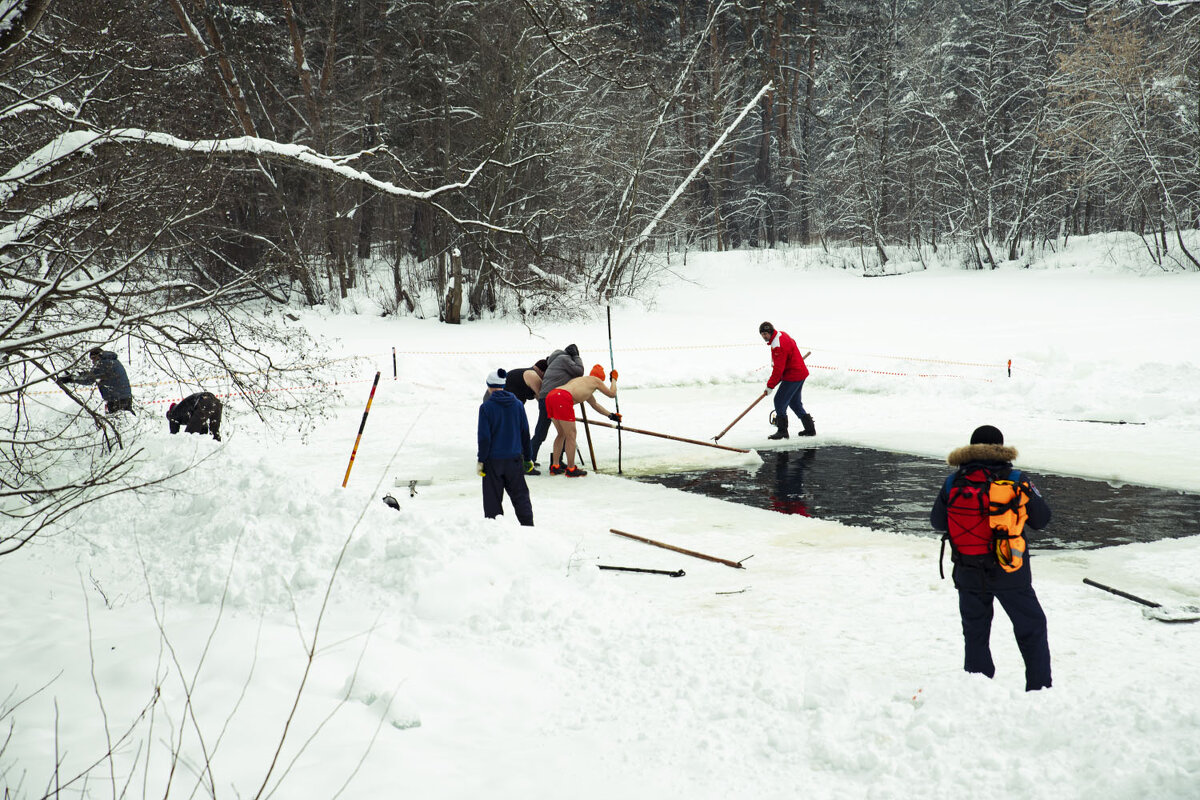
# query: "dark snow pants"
[[506, 475], [540, 430], [1029, 627]]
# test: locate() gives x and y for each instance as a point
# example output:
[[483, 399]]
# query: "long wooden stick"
[[635, 537], [668, 436], [717, 438], [587, 431]]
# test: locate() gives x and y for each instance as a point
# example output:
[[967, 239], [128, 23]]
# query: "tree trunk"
[[453, 313]]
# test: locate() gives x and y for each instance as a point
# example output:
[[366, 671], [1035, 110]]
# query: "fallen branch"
[[635, 537]]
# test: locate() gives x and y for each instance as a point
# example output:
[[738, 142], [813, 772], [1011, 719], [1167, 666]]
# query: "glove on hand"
[[615, 417], [528, 467], [572, 351], [479, 469], [612, 375]]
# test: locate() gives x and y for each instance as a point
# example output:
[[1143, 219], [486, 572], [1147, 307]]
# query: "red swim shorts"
[[560, 405]]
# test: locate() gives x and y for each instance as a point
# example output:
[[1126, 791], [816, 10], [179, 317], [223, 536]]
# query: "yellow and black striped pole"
[[361, 426]]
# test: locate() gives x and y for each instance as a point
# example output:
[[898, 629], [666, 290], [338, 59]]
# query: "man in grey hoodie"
[[561, 366]]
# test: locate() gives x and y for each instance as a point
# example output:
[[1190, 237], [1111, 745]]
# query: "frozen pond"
[[894, 492]]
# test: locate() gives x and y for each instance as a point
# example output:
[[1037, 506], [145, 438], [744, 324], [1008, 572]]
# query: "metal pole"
[[678, 573], [361, 426], [612, 365], [1119, 593], [395, 374], [673, 438]]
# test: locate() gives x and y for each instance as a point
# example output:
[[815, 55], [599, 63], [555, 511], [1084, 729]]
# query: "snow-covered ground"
[[464, 658]]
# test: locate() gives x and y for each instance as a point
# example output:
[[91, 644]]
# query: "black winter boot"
[[810, 428], [780, 428]]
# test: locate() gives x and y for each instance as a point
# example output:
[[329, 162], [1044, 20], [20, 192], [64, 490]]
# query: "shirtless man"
[[560, 407]]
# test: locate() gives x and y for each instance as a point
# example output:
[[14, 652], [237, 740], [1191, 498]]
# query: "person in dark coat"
[[504, 455], [788, 372], [561, 366], [980, 578], [196, 413], [524, 384], [109, 376]]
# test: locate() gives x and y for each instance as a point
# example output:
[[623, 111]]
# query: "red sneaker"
[[557, 469], [575, 472]]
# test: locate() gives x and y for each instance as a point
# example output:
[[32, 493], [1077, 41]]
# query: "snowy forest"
[[167, 165], [234, 149]]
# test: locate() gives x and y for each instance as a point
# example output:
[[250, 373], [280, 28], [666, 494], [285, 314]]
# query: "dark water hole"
[[894, 492]]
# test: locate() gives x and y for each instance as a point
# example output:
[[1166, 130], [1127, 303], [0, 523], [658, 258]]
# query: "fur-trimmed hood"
[[981, 452]]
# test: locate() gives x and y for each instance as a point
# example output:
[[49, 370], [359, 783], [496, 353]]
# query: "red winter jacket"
[[786, 362]]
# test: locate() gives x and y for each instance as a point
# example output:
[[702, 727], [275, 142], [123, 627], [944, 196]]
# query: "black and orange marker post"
[[361, 426]]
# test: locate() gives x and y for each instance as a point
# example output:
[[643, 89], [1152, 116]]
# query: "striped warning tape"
[[987, 365], [901, 374]]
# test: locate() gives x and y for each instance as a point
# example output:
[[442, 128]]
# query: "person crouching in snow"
[[504, 455], [196, 413], [788, 372], [560, 407]]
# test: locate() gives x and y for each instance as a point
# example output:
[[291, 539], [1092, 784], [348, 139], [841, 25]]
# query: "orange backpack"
[[986, 516]]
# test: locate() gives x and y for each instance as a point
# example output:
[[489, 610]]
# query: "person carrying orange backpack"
[[983, 509]]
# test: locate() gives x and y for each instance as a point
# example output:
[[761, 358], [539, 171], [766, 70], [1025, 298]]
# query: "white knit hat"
[[496, 379]]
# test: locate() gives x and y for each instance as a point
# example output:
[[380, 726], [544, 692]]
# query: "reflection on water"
[[894, 492]]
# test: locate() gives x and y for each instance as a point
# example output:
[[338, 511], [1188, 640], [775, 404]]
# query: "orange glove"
[[612, 375]]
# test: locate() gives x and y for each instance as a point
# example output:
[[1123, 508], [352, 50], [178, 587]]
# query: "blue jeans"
[[787, 395]]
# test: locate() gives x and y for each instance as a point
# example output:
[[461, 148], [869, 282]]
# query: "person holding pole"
[[560, 406], [561, 366], [504, 455], [788, 372]]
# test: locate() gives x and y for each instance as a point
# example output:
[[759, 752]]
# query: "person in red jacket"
[[788, 372]]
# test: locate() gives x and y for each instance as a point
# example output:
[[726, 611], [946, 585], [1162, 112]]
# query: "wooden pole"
[[588, 433], [635, 537], [739, 416], [361, 425], [669, 436]]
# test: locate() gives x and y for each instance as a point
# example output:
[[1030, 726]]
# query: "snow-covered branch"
[[78, 143]]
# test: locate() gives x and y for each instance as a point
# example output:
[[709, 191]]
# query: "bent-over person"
[[560, 407]]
